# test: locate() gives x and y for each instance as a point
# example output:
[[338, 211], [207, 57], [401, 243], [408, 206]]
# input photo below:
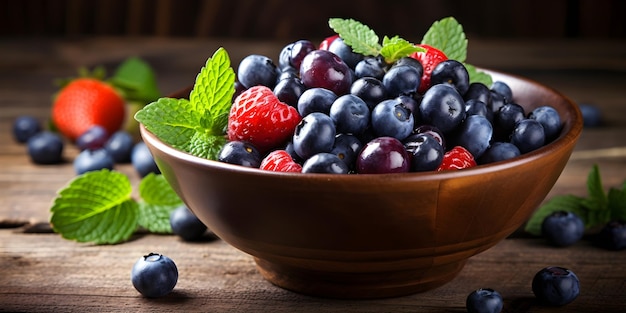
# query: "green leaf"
[[617, 203], [477, 76], [137, 79], [597, 199], [172, 120], [568, 203], [213, 91], [396, 48], [96, 207], [358, 36], [158, 201], [184, 123], [447, 35]]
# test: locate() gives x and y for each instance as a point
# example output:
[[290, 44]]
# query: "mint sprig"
[[98, 207], [597, 209], [196, 125], [364, 40], [448, 36]]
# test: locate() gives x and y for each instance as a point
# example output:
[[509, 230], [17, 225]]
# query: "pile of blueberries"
[[99, 150], [347, 100]]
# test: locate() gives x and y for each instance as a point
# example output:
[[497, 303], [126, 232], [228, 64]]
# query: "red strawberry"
[[86, 102], [280, 161], [258, 117], [429, 59], [457, 158], [327, 41]]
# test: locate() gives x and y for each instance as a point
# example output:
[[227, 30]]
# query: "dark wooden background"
[[291, 20]]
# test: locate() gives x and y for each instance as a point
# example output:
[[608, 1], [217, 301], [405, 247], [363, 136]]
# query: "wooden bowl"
[[377, 235]]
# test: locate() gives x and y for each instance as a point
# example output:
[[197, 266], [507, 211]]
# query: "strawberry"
[[258, 117], [327, 41], [429, 59], [457, 158], [86, 102], [280, 161]]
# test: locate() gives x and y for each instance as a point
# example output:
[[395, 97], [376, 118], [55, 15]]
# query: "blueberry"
[[93, 138], [451, 72], [93, 160], [314, 134], [499, 151], [391, 118], [496, 101], [315, 100], [502, 89], [24, 127], [562, 228], [383, 155], [484, 300], [433, 131], [289, 91], [612, 236], [413, 106], [325, 162], [370, 90], [142, 160], [402, 80], [477, 107], [256, 70], [186, 225], [425, 151], [154, 275], [474, 134], [480, 92], [120, 145], [45, 147], [350, 114], [549, 119], [347, 147], [370, 67], [240, 153], [507, 117], [528, 135], [556, 286], [284, 57], [443, 107], [298, 51], [341, 49], [592, 115]]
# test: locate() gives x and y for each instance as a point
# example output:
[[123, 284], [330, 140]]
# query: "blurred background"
[[290, 20]]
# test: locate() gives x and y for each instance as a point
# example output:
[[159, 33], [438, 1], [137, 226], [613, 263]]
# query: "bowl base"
[[358, 285]]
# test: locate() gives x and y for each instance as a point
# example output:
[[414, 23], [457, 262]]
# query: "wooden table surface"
[[41, 272]]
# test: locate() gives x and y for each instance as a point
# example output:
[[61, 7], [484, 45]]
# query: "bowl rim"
[[570, 132]]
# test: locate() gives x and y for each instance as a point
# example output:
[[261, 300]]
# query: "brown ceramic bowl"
[[371, 236]]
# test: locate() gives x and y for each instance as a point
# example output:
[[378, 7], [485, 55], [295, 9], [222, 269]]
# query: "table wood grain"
[[41, 272]]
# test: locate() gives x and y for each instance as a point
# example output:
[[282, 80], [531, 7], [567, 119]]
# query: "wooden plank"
[[213, 276]]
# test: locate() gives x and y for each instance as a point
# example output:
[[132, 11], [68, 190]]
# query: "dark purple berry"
[[556, 286], [484, 300], [324, 69], [562, 228], [383, 155]]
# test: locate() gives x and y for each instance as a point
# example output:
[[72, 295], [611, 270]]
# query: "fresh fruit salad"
[[353, 104]]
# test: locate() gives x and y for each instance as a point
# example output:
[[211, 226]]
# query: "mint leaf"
[[96, 207], [477, 76], [172, 120], [204, 117], [213, 91], [137, 79], [447, 35], [597, 199], [617, 203], [158, 200], [396, 48], [358, 36], [568, 203]]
